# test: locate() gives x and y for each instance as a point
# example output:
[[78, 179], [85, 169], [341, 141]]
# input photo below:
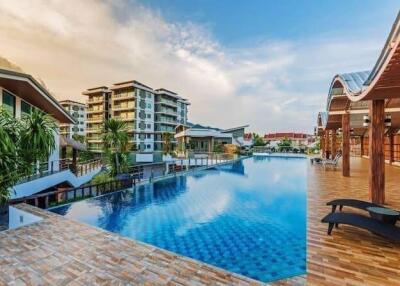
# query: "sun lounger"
[[388, 231], [362, 205]]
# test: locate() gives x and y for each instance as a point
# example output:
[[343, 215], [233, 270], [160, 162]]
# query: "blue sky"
[[268, 64], [237, 22]]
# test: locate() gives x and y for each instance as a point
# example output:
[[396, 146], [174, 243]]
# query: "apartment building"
[[170, 111], [133, 102], [148, 113], [97, 113], [78, 112]]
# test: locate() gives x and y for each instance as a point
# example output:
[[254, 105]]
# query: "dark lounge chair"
[[362, 205], [385, 230]]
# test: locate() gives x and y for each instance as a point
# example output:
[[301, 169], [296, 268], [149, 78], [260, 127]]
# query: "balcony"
[[97, 119], [167, 111], [123, 96], [95, 110], [95, 100], [122, 107], [167, 102], [124, 118], [94, 130]]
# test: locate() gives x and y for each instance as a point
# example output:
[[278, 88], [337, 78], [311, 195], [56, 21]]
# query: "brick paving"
[[58, 251]]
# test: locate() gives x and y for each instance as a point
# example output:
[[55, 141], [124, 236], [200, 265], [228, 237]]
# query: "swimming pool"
[[248, 217]]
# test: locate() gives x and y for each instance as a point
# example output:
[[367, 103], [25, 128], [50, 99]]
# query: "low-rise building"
[[199, 138], [298, 139]]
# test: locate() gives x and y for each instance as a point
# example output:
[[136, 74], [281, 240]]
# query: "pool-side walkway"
[[57, 251], [350, 256]]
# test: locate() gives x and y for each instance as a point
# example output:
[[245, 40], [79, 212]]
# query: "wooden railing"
[[62, 196]]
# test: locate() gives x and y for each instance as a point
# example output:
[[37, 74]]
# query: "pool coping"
[[203, 268], [44, 214]]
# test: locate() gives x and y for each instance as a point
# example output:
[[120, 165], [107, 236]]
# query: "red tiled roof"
[[290, 135]]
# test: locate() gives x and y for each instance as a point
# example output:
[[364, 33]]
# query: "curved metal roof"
[[354, 82]]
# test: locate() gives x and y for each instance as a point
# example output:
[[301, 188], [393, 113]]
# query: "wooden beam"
[[346, 145], [333, 143], [376, 152]]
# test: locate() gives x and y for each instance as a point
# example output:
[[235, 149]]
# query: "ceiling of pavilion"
[[352, 92]]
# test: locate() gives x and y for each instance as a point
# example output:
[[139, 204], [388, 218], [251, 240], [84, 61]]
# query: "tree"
[[167, 144], [37, 137], [115, 141], [24, 142], [79, 138], [258, 140], [285, 144]]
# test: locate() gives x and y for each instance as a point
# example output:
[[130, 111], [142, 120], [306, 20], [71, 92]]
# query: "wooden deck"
[[350, 256]]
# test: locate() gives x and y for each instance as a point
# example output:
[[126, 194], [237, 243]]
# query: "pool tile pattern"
[[58, 251]]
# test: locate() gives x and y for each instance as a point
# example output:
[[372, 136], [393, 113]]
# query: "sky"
[[265, 63]]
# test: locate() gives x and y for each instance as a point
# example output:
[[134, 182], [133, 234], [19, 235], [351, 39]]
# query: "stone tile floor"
[[57, 251]]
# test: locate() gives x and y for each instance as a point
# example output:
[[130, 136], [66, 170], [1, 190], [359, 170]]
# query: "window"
[[148, 125], [26, 108], [148, 146], [148, 105], [148, 136], [9, 102], [148, 115], [81, 129]]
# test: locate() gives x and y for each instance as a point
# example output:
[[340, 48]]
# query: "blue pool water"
[[248, 217]]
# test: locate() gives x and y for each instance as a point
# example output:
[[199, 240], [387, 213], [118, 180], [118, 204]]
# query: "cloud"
[[276, 85]]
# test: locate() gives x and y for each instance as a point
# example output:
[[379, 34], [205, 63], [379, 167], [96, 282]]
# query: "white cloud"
[[273, 86]]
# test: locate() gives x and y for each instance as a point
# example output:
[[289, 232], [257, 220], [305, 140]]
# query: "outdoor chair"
[[358, 204], [375, 226]]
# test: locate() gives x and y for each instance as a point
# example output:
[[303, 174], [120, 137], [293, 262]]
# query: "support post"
[[333, 143], [322, 144], [74, 159], [362, 146], [376, 152], [346, 145], [327, 144], [391, 147]]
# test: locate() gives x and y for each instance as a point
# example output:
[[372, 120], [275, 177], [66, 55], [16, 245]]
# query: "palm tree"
[[115, 140], [37, 140], [167, 146]]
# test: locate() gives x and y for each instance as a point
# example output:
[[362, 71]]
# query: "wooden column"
[[362, 146], [376, 152], [327, 144], [391, 147], [333, 149], [322, 144], [74, 159], [346, 145]]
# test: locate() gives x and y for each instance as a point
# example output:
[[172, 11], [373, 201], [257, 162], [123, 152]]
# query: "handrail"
[[85, 191]]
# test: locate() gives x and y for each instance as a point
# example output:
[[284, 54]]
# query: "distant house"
[[298, 139], [199, 138]]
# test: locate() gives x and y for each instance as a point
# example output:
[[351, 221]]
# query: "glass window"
[[9, 102], [26, 108], [148, 105]]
